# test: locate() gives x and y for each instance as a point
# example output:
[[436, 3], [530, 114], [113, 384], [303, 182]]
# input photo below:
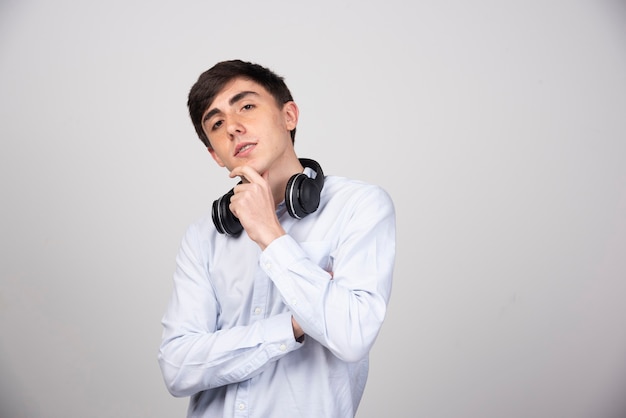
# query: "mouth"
[[244, 148]]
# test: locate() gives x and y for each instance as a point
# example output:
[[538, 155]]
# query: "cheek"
[[281, 123], [216, 157]]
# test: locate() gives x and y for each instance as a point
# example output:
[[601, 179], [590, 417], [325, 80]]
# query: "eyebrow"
[[237, 97]]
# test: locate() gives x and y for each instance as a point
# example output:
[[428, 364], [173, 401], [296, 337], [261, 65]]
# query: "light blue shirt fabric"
[[228, 341]]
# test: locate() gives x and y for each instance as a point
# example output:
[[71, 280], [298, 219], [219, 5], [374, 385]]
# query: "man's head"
[[212, 81]]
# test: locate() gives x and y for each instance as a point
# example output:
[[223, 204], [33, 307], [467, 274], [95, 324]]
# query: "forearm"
[[342, 316], [195, 361]]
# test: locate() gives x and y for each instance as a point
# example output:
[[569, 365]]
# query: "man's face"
[[246, 126]]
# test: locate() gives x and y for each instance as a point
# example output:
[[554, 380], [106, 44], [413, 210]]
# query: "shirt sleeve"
[[194, 354], [343, 309]]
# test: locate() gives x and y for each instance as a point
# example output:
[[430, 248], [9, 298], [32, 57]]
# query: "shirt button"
[[283, 347], [242, 407], [257, 311], [268, 265]]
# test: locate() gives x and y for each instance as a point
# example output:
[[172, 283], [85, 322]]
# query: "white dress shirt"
[[228, 341]]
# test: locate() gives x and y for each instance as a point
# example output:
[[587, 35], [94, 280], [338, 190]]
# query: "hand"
[[298, 332], [254, 205]]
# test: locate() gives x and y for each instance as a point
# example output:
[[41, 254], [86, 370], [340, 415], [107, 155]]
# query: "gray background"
[[497, 127]]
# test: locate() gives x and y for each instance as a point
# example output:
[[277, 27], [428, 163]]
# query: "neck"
[[279, 178]]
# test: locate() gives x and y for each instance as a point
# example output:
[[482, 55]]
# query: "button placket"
[[241, 402], [260, 295]]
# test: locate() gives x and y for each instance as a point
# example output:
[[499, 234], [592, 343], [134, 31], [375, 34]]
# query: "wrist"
[[298, 332], [268, 238]]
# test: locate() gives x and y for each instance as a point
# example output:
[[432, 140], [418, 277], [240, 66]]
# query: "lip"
[[239, 147]]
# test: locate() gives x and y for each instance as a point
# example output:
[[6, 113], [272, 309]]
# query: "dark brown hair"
[[212, 81]]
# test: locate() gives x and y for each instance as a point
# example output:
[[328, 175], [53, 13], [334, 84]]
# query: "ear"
[[291, 113], [217, 159]]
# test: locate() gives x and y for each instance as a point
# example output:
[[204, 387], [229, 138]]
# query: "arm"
[[343, 310], [195, 355]]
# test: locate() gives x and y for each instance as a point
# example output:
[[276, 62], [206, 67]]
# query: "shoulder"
[[202, 223], [348, 192], [200, 230], [337, 186]]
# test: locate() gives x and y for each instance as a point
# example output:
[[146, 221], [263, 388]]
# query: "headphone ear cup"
[[309, 195], [290, 195], [223, 219], [302, 196]]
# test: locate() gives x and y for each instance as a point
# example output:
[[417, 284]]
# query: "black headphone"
[[302, 197]]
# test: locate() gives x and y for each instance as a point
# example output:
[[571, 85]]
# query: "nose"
[[234, 126]]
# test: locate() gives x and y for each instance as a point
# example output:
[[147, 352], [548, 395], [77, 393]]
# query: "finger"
[[246, 172]]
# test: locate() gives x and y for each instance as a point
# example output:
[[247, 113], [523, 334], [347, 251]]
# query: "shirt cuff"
[[279, 330]]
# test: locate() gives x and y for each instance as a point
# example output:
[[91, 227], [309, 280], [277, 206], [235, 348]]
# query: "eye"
[[216, 125], [247, 107]]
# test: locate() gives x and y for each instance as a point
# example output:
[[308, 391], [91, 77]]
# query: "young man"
[[280, 293]]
